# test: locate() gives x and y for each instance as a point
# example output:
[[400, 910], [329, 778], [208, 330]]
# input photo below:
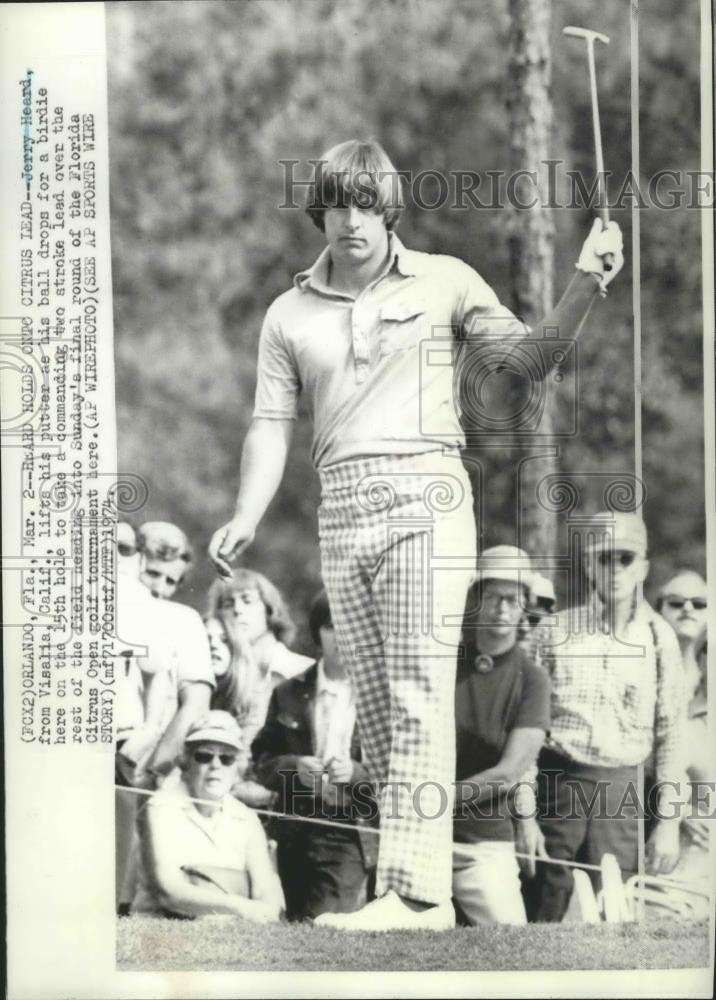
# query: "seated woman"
[[202, 851], [257, 630], [501, 718]]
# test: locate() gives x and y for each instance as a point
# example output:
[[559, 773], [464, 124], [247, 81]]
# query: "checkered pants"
[[398, 550]]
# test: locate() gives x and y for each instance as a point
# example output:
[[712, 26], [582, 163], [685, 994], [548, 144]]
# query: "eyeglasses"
[[624, 559], [677, 603], [205, 757], [495, 600]]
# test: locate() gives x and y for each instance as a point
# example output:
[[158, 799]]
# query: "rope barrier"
[[583, 866]]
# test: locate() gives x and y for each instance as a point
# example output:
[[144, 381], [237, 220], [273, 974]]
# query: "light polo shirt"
[[175, 637], [377, 371], [617, 700], [284, 663], [186, 838], [186, 638], [139, 632]]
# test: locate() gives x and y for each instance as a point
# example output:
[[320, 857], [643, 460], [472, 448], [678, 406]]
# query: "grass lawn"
[[218, 943]]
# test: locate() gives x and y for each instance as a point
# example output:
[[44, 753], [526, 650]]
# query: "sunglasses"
[[677, 603], [625, 559], [205, 757]]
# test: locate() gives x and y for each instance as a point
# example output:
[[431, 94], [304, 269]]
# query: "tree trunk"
[[531, 250]]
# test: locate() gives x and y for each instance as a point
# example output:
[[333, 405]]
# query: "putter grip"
[[608, 261]]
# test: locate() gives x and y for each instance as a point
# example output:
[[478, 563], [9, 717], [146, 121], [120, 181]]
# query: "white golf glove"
[[602, 241]]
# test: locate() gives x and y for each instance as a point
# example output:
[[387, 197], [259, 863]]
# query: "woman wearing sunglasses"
[[682, 601], [202, 851]]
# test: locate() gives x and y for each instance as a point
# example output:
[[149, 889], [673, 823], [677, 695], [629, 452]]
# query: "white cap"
[[215, 727], [542, 587], [504, 562]]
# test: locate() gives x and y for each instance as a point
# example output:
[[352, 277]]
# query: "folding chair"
[[677, 896]]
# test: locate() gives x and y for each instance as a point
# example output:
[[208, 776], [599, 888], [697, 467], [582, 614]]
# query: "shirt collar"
[[316, 276], [329, 685], [641, 611], [402, 259], [205, 823]]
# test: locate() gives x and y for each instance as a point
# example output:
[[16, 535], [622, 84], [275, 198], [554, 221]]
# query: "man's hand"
[[340, 770], [662, 848], [309, 769], [529, 840], [229, 542], [600, 242]]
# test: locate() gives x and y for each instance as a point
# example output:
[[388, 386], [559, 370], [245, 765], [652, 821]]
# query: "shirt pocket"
[[402, 326], [638, 701]]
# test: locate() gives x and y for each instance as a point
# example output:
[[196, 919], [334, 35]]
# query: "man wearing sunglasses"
[[617, 699]]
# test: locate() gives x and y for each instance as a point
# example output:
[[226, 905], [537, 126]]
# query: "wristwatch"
[[524, 801]]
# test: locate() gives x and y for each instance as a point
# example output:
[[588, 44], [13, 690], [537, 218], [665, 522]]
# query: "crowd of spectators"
[[241, 788]]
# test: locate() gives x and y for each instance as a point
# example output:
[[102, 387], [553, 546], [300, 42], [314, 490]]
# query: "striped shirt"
[[615, 700]]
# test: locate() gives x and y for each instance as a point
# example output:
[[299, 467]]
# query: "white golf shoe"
[[390, 913]]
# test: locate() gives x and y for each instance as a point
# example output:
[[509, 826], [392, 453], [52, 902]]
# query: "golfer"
[[396, 522]]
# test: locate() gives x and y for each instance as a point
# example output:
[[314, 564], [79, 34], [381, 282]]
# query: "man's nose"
[[353, 218]]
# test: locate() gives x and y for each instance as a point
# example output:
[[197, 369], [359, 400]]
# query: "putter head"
[[589, 36]]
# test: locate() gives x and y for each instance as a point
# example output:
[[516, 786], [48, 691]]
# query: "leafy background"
[[207, 97]]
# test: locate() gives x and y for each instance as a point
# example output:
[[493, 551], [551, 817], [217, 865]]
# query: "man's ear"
[[645, 569]]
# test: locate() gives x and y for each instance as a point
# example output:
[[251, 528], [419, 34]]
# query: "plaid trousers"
[[397, 538]]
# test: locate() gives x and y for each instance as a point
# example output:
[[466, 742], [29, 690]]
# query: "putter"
[[590, 37]]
